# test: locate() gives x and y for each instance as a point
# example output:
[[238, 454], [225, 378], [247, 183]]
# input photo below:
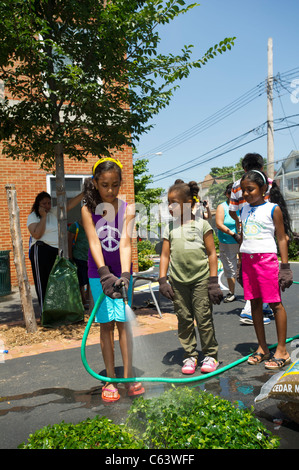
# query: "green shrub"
[[293, 250], [180, 418], [185, 418], [145, 250], [97, 433]]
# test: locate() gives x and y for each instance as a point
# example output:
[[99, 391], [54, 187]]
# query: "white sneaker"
[[229, 297], [246, 318]]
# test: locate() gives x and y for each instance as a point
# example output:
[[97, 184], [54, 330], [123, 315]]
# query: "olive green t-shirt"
[[188, 257]]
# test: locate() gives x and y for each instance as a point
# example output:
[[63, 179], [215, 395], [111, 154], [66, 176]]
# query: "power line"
[[172, 173], [206, 153], [212, 120], [223, 113], [294, 143]]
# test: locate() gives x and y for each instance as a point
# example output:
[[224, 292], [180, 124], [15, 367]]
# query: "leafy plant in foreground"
[[184, 418], [96, 433], [180, 418]]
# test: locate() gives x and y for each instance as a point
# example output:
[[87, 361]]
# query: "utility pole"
[[270, 127]]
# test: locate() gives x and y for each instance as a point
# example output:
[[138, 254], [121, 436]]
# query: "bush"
[[145, 250], [180, 418], [293, 249], [185, 418], [97, 433]]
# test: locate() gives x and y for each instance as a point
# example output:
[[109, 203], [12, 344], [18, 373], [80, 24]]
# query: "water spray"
[[151, 379]]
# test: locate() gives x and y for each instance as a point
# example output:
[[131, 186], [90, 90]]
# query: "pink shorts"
[[260, 277]]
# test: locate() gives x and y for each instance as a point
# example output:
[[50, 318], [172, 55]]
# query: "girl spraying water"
[[262, 278], [188, 247], [108, 225]]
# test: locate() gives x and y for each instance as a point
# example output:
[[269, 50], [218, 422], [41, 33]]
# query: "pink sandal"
[[134, 389], [110, 393]]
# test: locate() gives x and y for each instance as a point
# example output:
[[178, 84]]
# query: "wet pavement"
[[54, 386]]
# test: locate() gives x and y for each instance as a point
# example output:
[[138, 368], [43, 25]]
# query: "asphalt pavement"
[[52, 387]]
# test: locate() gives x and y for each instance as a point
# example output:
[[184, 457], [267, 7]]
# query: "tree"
[[85, 77], [142, 179], [225, 175], [145, 198]]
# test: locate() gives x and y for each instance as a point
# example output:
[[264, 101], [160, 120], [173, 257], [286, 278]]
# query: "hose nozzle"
[[124, 293], [123, 290]]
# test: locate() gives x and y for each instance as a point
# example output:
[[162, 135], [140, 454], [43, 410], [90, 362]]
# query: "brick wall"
[[29, 180]]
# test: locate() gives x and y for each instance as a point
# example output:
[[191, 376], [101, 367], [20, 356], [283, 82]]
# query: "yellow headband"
[[105, 159]]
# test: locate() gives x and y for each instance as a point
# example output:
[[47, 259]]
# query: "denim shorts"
[[110, 309], [260, 277]]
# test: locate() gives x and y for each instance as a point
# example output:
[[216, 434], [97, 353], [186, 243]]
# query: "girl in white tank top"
[[262, 280]]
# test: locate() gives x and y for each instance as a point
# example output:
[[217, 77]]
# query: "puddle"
[[28, 401]]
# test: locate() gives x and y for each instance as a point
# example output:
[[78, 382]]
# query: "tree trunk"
[[61, 201], [19, 259]]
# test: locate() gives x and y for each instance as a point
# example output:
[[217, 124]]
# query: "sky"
[[225, 99]]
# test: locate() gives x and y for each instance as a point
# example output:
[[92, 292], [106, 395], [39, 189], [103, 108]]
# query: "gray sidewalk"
[[51, 387]]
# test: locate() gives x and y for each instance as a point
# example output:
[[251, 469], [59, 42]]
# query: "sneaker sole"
[[188, 372], [204, 371], [246, 321]]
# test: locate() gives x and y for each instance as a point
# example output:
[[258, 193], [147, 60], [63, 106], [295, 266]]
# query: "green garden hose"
[[152, 379]]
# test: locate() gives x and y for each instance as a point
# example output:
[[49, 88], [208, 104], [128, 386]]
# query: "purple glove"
[[165, 288], [285, 277], [215, 293], [108, 281]]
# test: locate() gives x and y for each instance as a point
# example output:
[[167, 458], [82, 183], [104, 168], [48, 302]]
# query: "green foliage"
[[145, 250], [181, 418], [145, 199], [184, 418], [97, 433], [216, 241], [143, 194], [293, 250], [88, 75]]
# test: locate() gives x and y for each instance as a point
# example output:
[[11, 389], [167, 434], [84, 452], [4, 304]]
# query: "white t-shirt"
[[50, 235], [258, 228]]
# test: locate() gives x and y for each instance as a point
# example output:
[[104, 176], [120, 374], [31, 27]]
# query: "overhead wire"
[[223, 113], [169, 173], [210, 121], [282, 107], [206, 153]]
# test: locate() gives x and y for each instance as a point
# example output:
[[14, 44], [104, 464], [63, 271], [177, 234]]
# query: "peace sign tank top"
[[109, 234]]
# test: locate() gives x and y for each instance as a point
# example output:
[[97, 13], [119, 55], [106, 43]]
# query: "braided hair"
[[187, 190], [277, 198]]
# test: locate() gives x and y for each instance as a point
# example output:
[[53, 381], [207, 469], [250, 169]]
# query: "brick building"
[[29, 180]]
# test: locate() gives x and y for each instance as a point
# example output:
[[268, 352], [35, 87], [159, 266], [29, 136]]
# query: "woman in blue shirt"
[[228, 243]]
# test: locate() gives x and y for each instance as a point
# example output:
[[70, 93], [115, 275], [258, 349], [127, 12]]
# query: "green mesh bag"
[[63, 303]]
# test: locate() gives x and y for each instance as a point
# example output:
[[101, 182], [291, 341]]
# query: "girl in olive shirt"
[[189, 252]]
